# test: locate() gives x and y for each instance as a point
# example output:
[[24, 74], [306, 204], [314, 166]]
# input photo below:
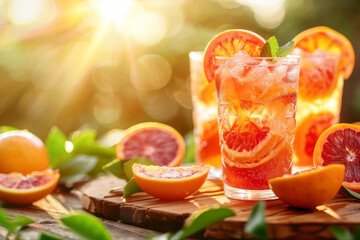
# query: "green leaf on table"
[[202, 219], [47, 236], [350, 193], [341, 233], [256, 225], [4, 219], [286, 49], [130, 188], [129, 163], [55, 145], [86, 226], [190, 148], [271, 48], [116, 168], [14, 225], [7, 129]]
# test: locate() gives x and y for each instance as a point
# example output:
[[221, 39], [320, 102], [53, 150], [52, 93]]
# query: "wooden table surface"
[[46, 212]]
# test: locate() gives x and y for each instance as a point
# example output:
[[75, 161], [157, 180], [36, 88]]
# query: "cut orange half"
[[157, 142], [26, 189], [227, 44], [330, 41], [310, 188], [341, 144], [170, 183]]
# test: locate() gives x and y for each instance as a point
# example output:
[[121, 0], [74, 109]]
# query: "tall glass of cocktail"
[[205, 117]]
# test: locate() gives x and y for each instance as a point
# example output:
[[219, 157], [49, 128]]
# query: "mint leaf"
[[86, 226], [130, 188], [341, 234], [286, 49], [256, 224], [271, 48], [350, 193]]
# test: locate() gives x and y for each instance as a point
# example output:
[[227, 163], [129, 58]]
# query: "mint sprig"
[[272, 48]]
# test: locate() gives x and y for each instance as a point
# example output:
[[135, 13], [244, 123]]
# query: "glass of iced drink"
[[205, 117], [256, 99]]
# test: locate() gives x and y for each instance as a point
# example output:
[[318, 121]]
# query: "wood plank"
[[284, 222]]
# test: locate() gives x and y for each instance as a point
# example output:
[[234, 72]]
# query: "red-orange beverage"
[[205, 116], [256, 103]]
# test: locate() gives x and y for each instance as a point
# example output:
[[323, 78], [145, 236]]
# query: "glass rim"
[[333, 57], [289, 57]]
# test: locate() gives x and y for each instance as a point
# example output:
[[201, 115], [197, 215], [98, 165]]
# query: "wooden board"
[[283, 222]]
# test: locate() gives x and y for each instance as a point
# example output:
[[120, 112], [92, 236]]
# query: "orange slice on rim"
[[227, 44], [329, 41], [157, 142], [25, 189], [170, 183], [340, 144]]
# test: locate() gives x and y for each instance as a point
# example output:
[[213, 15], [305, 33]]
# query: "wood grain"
[[283, 221]]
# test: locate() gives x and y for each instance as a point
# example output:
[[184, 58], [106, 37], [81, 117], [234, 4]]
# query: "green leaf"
[[81, 164], [47, 236], [256, 224], [190, 148], [4, 220], [7, 129], [201, 220], [271, 48], [340, 233], [115, 167], [357, 233], [350, 193], [86, 226], [129, 163], [130, 188], [55, 145], [19, 222], [286, 49]]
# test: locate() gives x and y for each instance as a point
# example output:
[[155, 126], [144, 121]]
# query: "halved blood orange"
[[307, 133], [227, 44], [157, 142], [26, 189], [310, 188], [170, 183], [341, 144], [329, 41]]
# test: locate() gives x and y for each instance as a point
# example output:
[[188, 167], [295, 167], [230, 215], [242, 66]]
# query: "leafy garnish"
[[130, 188], [130, 162], [47, 236], [116, 168], [15, 225], [256, 224], [198, 221], [341, 233], [272, 49], [86, 226], [350, 193]]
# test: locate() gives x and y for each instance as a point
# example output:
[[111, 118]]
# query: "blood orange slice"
[[311, 188], [26, 189], [227, 44], [157, 142], [170, 183], [341, 144], [307, 133], [329, 41]]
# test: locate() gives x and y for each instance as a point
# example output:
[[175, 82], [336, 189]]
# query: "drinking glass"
[[205, 117], [256, 99]]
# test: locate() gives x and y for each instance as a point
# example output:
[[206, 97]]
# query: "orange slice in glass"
[[170, 183], [311, 188], [26, 189], [157, 142], [227, 44], [341, 144]]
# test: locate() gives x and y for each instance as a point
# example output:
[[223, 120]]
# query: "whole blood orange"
[[310, 188], [26, 189], [307, 133], [227, 44], [341, 144], [22, 152], [170, 183], [157, 142]]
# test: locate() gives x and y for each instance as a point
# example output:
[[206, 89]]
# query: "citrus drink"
[[205, 116], [256, 99]]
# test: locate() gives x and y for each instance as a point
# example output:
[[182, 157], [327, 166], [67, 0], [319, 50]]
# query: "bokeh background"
[[109, 64]]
